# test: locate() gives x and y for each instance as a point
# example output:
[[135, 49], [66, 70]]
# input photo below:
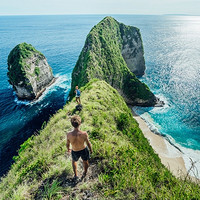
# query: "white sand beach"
[[171, 157]]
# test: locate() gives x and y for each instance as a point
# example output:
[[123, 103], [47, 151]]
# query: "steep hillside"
[[123, 165], [111, 51]]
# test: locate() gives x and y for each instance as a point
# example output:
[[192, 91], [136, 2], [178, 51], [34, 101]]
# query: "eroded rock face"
[[132, 50], [28, 71]]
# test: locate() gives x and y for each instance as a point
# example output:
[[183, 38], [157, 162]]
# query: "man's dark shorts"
[[84, 154]]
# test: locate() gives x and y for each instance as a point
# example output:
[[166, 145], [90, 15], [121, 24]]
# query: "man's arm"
[[88, 143], [68, 143]]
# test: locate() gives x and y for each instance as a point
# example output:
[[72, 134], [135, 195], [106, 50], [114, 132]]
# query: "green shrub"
[[37, 71], [51, 191], [123, 121], [97, 134]]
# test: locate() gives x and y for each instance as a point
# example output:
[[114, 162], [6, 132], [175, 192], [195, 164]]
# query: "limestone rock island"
[[28, 72], [114, 52]]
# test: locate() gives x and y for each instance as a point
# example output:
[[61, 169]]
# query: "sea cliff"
[[114, 52], [28, 71]]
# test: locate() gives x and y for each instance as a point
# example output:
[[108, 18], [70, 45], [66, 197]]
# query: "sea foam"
[[191, 157], [62, 81]]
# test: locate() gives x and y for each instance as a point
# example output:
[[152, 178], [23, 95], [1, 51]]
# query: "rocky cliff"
[[112, 52], [132, 49], [28, 71]]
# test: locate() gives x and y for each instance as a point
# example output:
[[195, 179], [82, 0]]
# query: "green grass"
[[37, 71], [128, 167], [51, 191], [101, 58]]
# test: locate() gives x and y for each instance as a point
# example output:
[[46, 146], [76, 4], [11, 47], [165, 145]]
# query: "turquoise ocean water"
[[172, 52]]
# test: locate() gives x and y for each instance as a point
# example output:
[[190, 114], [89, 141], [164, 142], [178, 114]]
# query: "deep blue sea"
[[172, 54]]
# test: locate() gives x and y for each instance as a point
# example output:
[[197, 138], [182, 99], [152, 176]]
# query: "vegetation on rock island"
[[28, 71], [101, 58], [17, 63]]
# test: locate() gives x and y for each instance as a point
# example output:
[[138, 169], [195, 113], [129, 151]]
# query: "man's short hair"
[[76, 121]]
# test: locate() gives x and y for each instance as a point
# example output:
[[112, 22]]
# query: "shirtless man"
[[78, 138]]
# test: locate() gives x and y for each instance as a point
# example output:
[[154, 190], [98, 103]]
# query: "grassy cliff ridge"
[[126, 165], [101, 57]]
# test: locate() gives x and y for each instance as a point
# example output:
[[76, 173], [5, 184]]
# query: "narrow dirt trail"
[[83, 188]]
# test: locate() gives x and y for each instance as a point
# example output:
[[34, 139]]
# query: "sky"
[[48, 7]]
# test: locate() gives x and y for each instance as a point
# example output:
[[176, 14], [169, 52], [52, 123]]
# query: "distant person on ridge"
[[78, 94], [77, 139]]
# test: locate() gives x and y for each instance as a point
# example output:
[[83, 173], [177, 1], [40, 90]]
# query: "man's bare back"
[[78, 138]]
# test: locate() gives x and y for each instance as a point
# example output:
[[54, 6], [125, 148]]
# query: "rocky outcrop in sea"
[[28, 72]]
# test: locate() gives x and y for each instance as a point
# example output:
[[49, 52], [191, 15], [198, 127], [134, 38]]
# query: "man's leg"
[[79, 100], [85, 166], [74, 165]]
